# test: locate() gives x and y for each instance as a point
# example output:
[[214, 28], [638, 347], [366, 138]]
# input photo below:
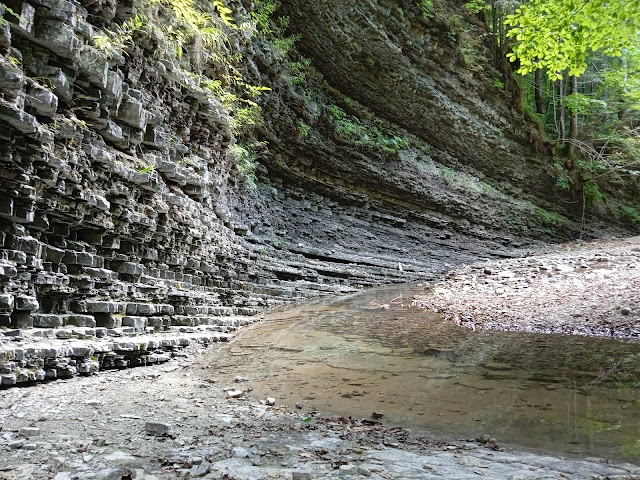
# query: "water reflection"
[[374, 352]]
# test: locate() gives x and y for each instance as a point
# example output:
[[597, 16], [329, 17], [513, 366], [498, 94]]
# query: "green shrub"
[[630, 213], [246, 156]]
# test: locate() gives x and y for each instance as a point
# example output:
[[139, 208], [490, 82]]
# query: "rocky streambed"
[[580, 289], [199, 414], [175, 421]]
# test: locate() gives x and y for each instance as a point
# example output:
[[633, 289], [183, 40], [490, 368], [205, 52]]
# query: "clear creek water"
[[374, 352]]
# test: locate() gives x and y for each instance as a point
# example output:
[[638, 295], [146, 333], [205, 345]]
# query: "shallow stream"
[[373, 352]]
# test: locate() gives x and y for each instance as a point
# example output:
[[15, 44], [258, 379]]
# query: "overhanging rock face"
[[122, 212]]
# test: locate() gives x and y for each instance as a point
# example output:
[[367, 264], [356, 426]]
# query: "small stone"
[[26, 303], [114, 473], [16, 444], [506, 274], [625, 310], [349, 470], [62, 476], [483, 439], [564, 268], [29, 432], [200, 470], [301, 476], [271, 401], [29, 446], [241, 379], [120, 458], [234, 393], [157, 428], [299, 406], [377, 415]]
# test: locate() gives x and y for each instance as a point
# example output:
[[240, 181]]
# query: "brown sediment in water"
[[368, 353]]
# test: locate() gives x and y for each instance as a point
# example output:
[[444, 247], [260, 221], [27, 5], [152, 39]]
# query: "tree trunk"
[[537, 85], [494, 11], [501, 27], [561, 119], [573, 122]]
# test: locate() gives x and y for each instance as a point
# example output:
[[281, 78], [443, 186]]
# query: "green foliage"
[[630, 213], [225, 13], [246, 117], [549, 219], [114, 42], [140, 168], [581, 104], [498, 83], [298, 70], [261, 14], [559, 34], [631, 448], [199, 34], [427, 8], [471, 57], [563, 180], [4, 10], [350, 128], [246, 156], [303, 128], [592, 193], [475, 6], [245, 112], [620, 82], [284, 45]]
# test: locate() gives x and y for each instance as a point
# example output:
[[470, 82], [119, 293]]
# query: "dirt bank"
[[578, 288]]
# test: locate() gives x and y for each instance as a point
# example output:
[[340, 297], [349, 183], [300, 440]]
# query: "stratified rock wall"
[[121, 206], [414, 73]]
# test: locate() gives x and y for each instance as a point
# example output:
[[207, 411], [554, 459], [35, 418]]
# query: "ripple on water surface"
[[352, 356]]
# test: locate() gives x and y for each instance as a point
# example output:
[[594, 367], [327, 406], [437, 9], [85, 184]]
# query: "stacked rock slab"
[[93, 246]]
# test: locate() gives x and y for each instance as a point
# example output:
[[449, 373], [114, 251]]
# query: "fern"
[[4, 9], [225, 13]]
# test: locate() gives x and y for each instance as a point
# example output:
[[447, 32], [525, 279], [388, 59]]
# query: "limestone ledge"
[[29, 356]]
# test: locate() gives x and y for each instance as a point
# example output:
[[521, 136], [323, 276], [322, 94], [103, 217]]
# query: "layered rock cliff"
[[383, 153]]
